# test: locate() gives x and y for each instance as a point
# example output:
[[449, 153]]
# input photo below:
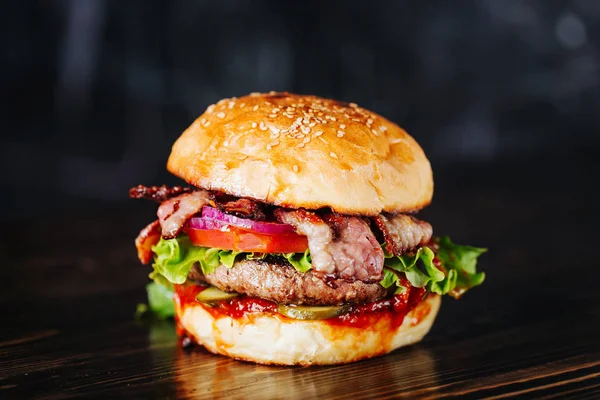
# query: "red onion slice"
[[213, 218], [206, 223]]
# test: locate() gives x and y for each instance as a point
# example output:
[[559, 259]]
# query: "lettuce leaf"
[[462, 262], [418, 268], [227, 257], [458, 273], [391, 278], [300, 261], [174, 259], [160, 300]]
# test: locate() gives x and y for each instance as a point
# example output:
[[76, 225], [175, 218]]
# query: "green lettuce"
[[160, 300], [300, 261], [174, 258], [457, 274], [462, 261], [389, 279]]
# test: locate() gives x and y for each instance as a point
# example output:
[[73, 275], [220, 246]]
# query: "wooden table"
[[69, 286]]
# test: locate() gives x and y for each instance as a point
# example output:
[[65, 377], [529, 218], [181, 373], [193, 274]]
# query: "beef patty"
[[276, 280]]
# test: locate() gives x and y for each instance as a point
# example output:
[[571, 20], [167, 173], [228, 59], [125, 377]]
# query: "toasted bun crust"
[[272, 339], [304, 151]]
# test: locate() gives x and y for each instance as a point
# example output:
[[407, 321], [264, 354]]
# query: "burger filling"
[[230, 248]]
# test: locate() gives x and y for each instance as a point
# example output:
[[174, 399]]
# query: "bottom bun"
[[270, 338]]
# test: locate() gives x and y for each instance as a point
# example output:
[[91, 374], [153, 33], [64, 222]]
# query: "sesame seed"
[[275, 110], [369, 122], [231, 104], [340, 134], [272, 115], [207, 123], [263, 127], [342, 126], [210, 108], [255, 108], [242, 105], [306, 140], [301, 145], [203, 121], [383, 128], [305, 130], [333, 118], [221, 114], [295, 168], [254, 124], [353, 105], [318, 133], [375, 132], [332, 154], [312, 124], [274, 143]]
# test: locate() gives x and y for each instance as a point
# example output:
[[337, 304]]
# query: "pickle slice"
[[311, 312], [212, 295]]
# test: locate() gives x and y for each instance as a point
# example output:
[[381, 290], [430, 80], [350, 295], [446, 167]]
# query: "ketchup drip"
[[393, 308]]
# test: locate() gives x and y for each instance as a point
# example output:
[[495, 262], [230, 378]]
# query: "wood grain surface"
[[69, 285]]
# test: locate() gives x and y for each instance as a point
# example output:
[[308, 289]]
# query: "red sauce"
[[393, 308], [234, 308], [239, 306]]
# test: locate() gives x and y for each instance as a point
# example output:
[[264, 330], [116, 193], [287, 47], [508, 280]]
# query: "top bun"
[[304, 151]]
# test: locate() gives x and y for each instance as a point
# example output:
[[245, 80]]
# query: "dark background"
[[504, 96], [500, 93]]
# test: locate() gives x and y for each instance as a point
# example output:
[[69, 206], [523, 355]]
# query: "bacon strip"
[[343, 247], [355, 250], [403, 233], [158, 193], [244, 208], [147, 238], [174, 212], [318, 233]]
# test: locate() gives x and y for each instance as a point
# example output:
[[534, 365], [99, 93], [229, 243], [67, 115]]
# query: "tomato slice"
[[243, 240]]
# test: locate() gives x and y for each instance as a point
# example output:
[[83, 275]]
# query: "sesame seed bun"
[[304, 151], [268, 338]]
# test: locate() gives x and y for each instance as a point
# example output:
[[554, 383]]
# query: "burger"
[[295, 241]]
